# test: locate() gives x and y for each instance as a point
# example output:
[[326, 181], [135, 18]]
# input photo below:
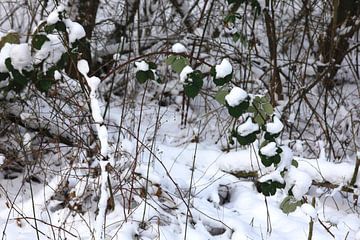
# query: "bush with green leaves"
[[55, 46], [253, 116]]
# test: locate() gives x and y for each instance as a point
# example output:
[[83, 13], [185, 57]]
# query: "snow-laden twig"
[[93, 83]]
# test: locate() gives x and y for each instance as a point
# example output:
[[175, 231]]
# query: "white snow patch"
[[141, 66], [2, 159], [236, 96], [184, 73], [116, 56], [25, 115], [75, 30], [27, 140], [223, 69], [51, 51], [247, 128], [95, 110], [57, 75], [274, 176], [20, 55], [93, 82], [299, 180], [309, 210], [83, 67], [274, 127], [4, 54], [286, 158], [103, 137], [53, 17], [269, 149], [178, 48]]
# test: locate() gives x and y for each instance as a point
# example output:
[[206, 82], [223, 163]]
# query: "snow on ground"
[[222, 206]]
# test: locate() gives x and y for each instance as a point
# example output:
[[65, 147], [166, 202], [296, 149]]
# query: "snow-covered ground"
[[220, 206]]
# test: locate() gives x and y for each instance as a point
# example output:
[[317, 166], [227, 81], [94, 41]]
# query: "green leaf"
[[295, 163], [193, 86], [236, 36], [220, 96], [152, 65], [213, 71], [270, 137], [230, 18], [268, 108], [222, 81], [289, 204], [170, 59], [259, 119], [143, 76], [268, 161], [11, 37], [44, 84], [63, 60], [246, 140], [8, 65], [49, 28], [237, 111], [179, 64], [4, 76], [38, 40], [60, 26], [267, 188], [18, 81]]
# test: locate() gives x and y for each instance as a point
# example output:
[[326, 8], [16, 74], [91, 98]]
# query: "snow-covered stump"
[[93, 83]]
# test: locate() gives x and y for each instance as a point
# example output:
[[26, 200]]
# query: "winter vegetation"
[[175, 119]]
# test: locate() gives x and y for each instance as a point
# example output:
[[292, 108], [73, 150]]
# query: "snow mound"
[[236, 96], [224, 69], [178, 48]]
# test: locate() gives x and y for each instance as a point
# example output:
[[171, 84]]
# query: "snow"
[[75, 30], [224, 69], [274, 127], [83, 67], [103, 137], [309, 210], [184, 73], [165, 157], [53, 17], [57, 75], [247, 128], [27, 140], [51, 51], [116, 56], [93, 82], [4, 54], [298, 181], [141, 66], [286, 158], [2, 159], [20, 55], [269, 149], [274, 176], [178, 48], [236, 96]]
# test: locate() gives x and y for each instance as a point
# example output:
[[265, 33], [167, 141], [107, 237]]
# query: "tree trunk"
[[334, 46]]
